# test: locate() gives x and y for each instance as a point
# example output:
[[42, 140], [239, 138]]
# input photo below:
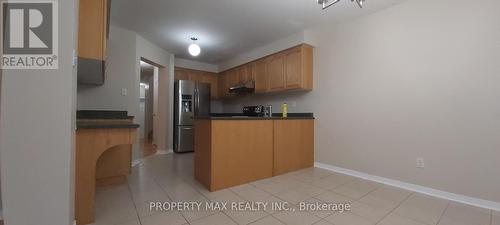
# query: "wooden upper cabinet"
[[233, 77], [222, 85], [261, 78], [251, 70], [242, 74], [276, 71], [199, 76], [293, 68], [211, 78], [181, 74], [246, 73], [300, 77], [93, 28]]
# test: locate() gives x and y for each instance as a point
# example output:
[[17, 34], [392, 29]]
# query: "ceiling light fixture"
[[193, 48], [327, 3]]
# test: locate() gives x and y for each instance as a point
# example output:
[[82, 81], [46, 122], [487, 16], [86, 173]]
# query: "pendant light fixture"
[[327, 3], [193, 48]]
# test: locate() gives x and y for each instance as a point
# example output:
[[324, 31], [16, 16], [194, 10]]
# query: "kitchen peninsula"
[[103, 156], [231, 150]]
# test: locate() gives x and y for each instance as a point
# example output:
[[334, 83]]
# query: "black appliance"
[[257, 110]]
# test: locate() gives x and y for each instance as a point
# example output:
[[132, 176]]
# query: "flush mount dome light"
[[327, 3], [193, 48]]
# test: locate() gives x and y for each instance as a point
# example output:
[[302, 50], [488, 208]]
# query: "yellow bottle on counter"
[[284, 109]]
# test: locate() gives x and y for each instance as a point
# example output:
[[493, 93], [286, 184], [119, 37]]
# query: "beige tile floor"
[[169, 177]]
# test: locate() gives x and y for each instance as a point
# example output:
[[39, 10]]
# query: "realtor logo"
[[29, 35]]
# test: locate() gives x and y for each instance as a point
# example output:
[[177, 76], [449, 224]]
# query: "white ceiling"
[[226, 28]]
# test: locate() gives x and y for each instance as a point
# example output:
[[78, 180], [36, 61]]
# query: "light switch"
[[75, 58], [124, 91]]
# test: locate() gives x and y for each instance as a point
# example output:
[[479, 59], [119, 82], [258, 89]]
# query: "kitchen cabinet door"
[[241, 152], [197, 76], [93, 29], [222, 85], [233, 77], [251, 68], [246, 73], [261, 78], [212, 80], [180, 74], [293, 68], [276, 72], [293, 145], [242, 74]]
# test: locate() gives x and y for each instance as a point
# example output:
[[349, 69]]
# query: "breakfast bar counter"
[[234, 150], [103, 156]]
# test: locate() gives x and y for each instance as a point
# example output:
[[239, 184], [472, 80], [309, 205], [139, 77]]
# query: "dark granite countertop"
[[104, 119], [239, 116], [105, 125], [102, 114]]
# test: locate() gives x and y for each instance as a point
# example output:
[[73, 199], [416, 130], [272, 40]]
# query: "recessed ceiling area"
[[226, 28]]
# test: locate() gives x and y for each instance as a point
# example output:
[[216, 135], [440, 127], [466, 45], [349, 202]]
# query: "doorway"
[[148, 99]]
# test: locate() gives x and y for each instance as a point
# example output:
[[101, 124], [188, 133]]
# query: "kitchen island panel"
[[242, 152], [229, 153], [203, 155], [293, 145], [234, 152]]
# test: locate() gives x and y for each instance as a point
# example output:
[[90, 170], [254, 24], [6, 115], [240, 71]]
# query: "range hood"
[[243, 88]]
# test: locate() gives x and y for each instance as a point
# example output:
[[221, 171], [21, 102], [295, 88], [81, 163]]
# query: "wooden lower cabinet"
[[90, 145], [234, 152], [293, 145], [114, 165]]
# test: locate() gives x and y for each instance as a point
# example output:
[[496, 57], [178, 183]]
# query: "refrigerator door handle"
[[196, 101]]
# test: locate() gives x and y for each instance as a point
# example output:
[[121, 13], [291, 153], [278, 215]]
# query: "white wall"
[[163, 59], [120, 73], [125, 49], [37, 128], [420, 79], [1, 207], [190, 64], [142, 111], [148, 105]]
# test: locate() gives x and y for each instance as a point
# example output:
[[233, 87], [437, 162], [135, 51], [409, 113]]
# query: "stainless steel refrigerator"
[[191, 99]]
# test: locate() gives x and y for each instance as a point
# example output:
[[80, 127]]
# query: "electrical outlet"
[[420, 163], [124, 91]]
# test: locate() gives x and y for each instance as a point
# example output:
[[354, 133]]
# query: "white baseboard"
[[164, 151], [415, 188]]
